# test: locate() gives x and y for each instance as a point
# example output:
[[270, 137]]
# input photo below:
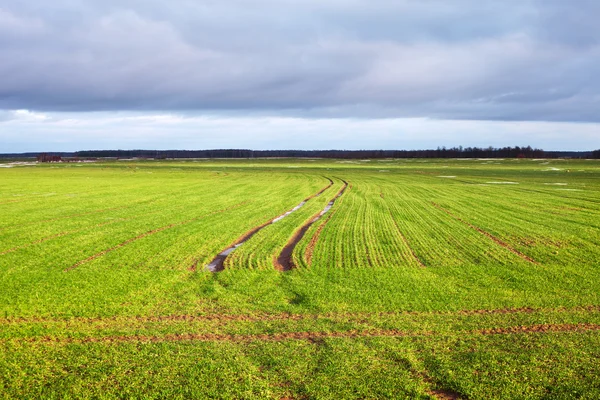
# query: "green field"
[[469, 279]]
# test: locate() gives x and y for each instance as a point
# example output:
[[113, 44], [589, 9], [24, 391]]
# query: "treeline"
[[440, 152]]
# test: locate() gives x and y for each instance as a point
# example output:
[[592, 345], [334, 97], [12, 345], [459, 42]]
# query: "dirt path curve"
[[285, 262], [218, 262]]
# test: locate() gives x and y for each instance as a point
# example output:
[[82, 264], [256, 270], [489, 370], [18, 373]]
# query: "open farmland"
[[423, 279]]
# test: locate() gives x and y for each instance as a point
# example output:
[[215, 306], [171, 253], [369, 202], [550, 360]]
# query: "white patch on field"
[[557, 184], [552, 169], [503, 183], [571, 190], [446, 176], [17, 164]]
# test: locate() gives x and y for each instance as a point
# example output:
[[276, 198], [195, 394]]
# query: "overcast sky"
[[307, 74]]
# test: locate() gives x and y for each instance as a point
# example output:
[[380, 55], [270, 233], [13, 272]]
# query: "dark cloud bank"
[[485, 59]]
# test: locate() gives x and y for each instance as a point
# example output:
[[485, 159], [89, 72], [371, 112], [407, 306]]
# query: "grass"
[[99, 296]]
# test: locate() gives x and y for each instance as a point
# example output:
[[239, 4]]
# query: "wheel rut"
[[489, 235], [308, 335], [145, 234], [299, 317], [284, 261], [218, 262]]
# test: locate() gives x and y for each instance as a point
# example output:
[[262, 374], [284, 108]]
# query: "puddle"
[[284, 261], [217, 264]]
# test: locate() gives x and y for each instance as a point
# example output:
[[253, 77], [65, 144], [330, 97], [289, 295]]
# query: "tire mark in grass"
[[60, 234], [308, 335], [405, 240], [299, 317], [218, 262], [143, 235], [315, 238], [284, 261], [489, 235], [75, 215]]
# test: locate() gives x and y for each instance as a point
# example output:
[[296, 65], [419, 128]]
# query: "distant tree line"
[[440, 152], [45, 157]]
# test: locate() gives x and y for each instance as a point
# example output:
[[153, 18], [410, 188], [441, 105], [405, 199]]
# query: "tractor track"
[[218, 262], [308, 335], [489, 235], [148, 233], [284, 261], [295, 317]]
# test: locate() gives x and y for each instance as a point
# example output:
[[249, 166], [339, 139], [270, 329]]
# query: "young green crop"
[[103, 290]]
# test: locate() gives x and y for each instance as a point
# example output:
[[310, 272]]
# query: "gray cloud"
[[509, 60]]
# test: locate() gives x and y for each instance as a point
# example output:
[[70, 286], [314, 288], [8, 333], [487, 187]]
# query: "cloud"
[[480, 60]]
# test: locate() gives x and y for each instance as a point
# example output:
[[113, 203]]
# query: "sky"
[[298, 74]]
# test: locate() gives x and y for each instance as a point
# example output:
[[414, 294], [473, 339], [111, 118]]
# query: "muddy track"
[[306, 335], [298, 317], [143, 235], [218, 262], [489, 235], [284, 261]]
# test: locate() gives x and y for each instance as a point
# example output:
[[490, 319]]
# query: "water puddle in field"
[[284, 261], [218, 263]]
